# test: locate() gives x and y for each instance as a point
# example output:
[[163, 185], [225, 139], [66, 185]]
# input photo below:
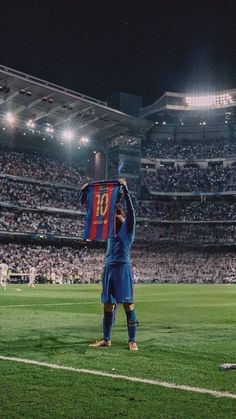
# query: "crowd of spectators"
[[187, 210], [37, 166], [168, 264], [191, 179], [28, 196], [187, 150], [35, 195], [38, 222], [146, 230], [186, 233], [69, 264], [173, 264]]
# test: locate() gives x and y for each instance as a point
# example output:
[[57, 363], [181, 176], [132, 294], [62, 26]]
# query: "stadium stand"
[[182, 177], [189, 150], [191, 179], [150, 265]]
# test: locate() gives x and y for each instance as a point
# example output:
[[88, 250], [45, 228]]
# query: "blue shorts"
[[117, 284]]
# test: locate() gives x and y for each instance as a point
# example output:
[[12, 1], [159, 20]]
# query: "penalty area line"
[[164, 384]]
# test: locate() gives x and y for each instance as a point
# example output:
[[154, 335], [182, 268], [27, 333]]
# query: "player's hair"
[[3, 261]]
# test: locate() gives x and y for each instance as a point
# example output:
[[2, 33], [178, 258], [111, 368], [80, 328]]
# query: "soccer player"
[[53, 276], [3, 274], [32, 275], [117, 280]]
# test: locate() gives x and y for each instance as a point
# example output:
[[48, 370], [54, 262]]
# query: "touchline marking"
[[165, 384]]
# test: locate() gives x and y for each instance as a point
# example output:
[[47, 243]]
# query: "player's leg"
[[109, 308], [124, 292], [131, 325], [108, 320], [3, 282], [108, 311]]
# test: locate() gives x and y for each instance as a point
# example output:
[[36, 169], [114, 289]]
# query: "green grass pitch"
[[185, 333]]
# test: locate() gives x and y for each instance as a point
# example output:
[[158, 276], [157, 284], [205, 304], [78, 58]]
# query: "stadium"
[[178, 156]]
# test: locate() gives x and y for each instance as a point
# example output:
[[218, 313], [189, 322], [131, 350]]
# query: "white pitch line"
[[165, 384]]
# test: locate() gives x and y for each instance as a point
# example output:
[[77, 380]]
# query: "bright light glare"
[[68, 135], [49, 129], [10, 118], [30, 124], [84, 140], [209, 100]]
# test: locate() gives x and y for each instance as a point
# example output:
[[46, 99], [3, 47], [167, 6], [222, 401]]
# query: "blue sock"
[[131, 324], [107, 324], [114, 314]]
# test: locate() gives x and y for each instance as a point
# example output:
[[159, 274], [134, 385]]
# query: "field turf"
[[185, 333]]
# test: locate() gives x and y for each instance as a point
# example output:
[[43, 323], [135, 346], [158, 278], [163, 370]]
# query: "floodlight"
[[84, 140], [30, 124], [209, 100], [10, 118], [68, 135], [49, 129]]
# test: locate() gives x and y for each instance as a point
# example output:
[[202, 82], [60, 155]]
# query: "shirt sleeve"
[[83, 196], [130, 210]]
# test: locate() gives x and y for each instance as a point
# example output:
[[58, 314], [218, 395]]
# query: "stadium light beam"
[[30, 124], [84, 140], [68, 135], [10, 118]]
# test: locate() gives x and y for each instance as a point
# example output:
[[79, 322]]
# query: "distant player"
[[117, 280], [53, 276], [32, 275], [3, 274]]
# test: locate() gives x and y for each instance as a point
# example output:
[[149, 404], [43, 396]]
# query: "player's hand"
[[122, 182], [84, 186]]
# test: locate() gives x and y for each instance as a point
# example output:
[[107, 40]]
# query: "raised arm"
[[129, 205], [83, 194]]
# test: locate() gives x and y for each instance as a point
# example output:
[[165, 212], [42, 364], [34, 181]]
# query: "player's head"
[[3, 261], [120, 216]]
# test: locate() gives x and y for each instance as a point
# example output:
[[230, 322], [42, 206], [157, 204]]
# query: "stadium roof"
[[30, 98], [190, 102]]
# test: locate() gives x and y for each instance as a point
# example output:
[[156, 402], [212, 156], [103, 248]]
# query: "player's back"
[[118, 247]]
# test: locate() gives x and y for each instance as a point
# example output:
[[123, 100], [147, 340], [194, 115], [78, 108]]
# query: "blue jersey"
[[119, 246]]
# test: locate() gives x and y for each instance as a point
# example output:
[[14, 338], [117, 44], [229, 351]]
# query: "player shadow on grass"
[[42, 342]]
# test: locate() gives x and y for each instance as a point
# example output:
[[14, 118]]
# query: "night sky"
[[99, 48]]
